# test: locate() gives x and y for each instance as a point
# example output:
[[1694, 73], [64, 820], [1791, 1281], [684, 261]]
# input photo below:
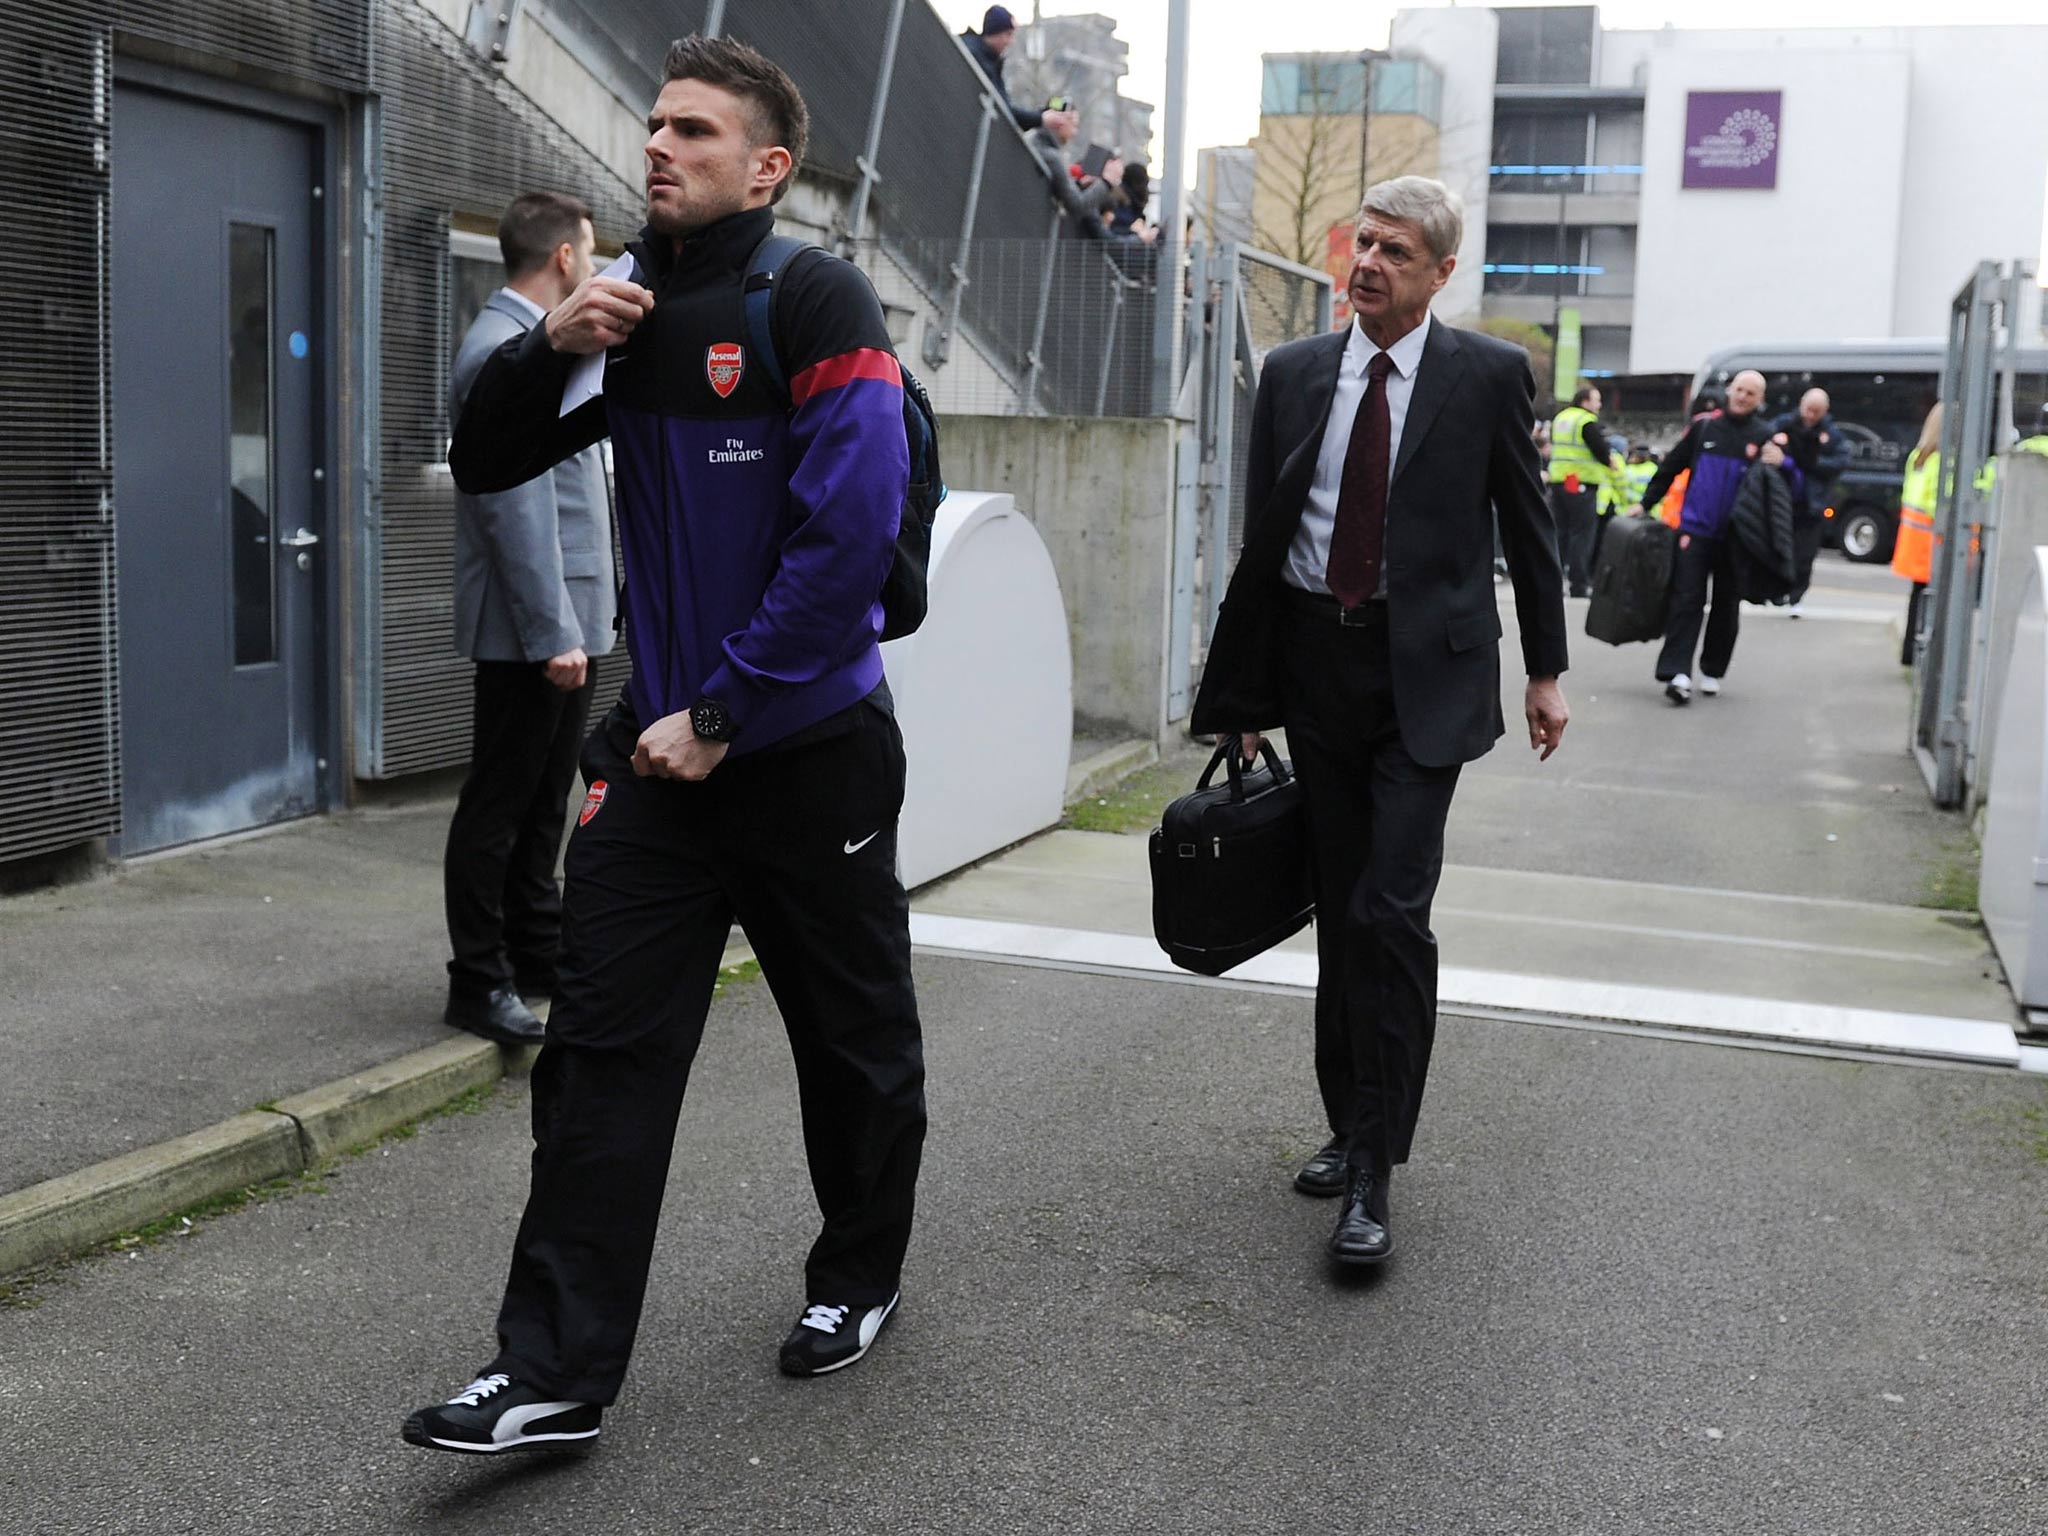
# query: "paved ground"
[[1797, 780], [1644, 1287], [180, 991]]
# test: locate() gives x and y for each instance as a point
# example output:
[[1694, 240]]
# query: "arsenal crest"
[[591, 803], [723, 365]]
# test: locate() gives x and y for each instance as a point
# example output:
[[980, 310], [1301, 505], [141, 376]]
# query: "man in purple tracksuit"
[[1718, 448], [752, 770]]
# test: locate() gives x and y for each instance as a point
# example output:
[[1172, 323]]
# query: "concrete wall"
[[1462, 43], [1100, 493]]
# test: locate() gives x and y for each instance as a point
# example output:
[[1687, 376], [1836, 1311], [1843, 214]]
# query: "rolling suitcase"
[[1230, 865], [1632, 581]]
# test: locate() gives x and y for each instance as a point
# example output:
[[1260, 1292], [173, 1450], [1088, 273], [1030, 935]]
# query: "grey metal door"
[[219, 534]]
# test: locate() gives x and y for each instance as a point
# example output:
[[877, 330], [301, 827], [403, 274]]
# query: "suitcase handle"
[[1228, 757]]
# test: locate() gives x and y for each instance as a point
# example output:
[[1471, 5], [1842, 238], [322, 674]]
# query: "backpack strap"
[[764, 270]]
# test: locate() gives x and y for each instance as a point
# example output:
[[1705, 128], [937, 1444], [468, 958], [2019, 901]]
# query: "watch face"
[[710, 720]]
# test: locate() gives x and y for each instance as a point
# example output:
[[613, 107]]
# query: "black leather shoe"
[[1323, 1174], [1362, 1236], [501, 1016], [535, 983]]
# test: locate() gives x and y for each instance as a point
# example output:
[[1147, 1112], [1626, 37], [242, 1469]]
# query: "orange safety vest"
[[1913, 552], [1672, 507]]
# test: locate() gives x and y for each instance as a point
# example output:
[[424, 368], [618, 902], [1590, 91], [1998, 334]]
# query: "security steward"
[[1581, 463], [752, 770]]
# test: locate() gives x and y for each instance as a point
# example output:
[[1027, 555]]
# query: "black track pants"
[[800, 846]]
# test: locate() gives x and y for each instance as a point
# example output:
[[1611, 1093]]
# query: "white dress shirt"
[[1309, 556], [525, 303]]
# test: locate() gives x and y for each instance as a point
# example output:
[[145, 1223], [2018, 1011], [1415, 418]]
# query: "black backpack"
[[904, 594]]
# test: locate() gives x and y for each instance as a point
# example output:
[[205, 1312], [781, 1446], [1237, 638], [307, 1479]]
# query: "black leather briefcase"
[[1230, 865], [1632, 581]]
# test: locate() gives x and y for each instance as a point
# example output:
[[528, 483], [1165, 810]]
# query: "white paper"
[[586, 380]]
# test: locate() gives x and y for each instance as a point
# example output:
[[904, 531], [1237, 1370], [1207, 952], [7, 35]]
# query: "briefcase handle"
[[1228, 757]]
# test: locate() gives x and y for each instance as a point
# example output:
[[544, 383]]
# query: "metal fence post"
[[937, 348], [2019, 278], [1116, 314], [868, 174], [1222, 413], [1035, 358], [1942, 733], [714, 20], [1187, 507], [1172, 245]]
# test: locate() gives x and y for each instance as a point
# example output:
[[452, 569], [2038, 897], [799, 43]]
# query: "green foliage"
[[1533, 339]]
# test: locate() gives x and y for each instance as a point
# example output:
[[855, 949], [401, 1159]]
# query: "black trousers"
[[1806, 531], [1699, 564], [1377, 819], [800, 846], [1577, 514], [498, 871]]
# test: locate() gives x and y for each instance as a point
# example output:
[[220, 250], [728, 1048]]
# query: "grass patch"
[[736, 976], [1134, 804], [1952, 883], [2036, 1132]]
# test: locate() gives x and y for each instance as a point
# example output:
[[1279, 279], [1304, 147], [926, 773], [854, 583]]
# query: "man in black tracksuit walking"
[[753, 769], [1718, 448]]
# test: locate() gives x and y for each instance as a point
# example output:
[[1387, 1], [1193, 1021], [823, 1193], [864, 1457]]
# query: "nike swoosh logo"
[[856, 847]]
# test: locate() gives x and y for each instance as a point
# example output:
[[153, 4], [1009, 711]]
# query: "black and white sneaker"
[[495, 1413], [830, 1338]]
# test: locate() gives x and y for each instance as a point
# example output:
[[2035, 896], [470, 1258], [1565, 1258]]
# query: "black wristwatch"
[[711, 720]]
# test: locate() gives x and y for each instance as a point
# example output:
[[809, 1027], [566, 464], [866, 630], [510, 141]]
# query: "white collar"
[[528, 305], [1406, 353]]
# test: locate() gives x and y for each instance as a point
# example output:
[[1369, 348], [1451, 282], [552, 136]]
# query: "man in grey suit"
[[534, 602]]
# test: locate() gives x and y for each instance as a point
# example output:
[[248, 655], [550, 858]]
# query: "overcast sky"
[[1226, 38]]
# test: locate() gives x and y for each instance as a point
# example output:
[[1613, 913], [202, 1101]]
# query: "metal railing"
[[1952, 647]]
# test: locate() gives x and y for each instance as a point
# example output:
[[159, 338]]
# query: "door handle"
[[303, 539]]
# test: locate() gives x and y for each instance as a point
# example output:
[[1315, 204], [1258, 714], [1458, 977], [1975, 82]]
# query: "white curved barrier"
[[984, 691], [2013, 887]]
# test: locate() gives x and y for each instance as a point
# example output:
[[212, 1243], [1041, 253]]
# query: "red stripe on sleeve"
[[867, 363]]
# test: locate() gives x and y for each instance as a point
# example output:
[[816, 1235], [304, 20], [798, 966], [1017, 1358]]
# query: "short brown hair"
[[775, 108], [536, 226]]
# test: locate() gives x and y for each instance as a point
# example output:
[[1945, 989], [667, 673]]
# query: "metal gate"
[[1952, 650], [1250, 301]]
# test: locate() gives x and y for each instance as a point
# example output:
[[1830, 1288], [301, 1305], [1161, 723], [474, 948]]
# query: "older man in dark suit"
[[1362, 619], [534, 602]]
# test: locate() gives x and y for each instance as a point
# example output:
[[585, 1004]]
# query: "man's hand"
[[601, 313], [1248, 743], [1773, 454], [1543, 704], [670, 749], [568, 670]]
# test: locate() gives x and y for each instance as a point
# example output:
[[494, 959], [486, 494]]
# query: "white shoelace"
[[825, 1319], [473, 1395]]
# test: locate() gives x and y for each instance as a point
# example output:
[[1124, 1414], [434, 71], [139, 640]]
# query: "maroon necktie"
[[1360, 534]]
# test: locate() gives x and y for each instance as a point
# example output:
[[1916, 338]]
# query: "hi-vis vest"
[[1637, 478], [1569, 454], [1913, 551]]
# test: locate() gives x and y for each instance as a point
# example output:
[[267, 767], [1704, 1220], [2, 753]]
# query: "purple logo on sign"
[[1731, 138]]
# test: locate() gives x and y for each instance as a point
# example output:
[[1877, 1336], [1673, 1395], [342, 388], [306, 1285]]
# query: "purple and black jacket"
[[1718, 449], [756, 531]]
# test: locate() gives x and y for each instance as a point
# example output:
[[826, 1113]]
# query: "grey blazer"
[[533, 565]]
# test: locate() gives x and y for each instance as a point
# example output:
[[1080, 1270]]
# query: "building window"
[[1411, 87], [1312, 85], [1535, 261], [1546, 45], [1538, 152]]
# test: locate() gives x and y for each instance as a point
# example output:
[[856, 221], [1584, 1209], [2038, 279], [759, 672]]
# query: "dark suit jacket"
[[1465, 452]]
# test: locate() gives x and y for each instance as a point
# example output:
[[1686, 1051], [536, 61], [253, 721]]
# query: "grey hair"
[[1420, 200]]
